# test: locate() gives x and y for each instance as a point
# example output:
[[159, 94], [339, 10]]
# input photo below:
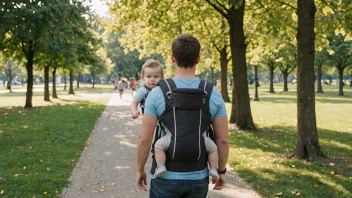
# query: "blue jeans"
[[167, 188]]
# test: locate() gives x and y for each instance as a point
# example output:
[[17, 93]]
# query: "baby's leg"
[[213, 158], [160, 157]]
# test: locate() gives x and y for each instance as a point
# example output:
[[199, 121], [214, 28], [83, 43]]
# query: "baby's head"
[[152, 73]]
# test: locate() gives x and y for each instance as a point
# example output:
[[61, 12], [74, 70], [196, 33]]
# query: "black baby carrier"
[[187, 117]]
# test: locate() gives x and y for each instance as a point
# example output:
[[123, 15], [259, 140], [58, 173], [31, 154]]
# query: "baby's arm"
[[134, 109]]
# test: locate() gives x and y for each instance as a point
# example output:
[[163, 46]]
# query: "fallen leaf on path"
[[278, 194]]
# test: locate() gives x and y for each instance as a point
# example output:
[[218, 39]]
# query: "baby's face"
[[151, 77]]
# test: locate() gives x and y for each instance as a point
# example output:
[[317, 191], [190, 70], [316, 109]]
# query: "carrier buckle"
[[169, 95]]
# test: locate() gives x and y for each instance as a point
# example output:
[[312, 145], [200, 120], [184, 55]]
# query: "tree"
[[340, 55], [287, 62], [126, 63], [320, 58], [25, 25], [233, 12], [307, 144], [270, 61], [26, 22], [12, 70], [219, 40], [350, 73], [2, 69], [100, 64], [8, 71]]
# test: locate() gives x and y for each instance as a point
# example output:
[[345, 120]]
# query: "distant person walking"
[[133, 86], [121, 85]]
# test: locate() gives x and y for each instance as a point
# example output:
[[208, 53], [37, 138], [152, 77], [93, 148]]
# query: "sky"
[[99, 6]]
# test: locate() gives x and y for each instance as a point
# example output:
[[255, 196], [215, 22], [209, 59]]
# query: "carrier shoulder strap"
[[167, 86], [208, 87], [147, 88], [141, 104], [146, 93]]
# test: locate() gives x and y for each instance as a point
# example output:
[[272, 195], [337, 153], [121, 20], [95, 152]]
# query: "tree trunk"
[[223, 64], [351, 80], [285, 81], [319, 73], [93, 78], [307, 144], [71, 83], [271, 69], [244, 118], [78, 78], [234, 103], [65, 80], [8, 86], [54, 83], [341, 81], [29, 67], [9, 81], [46, 84]]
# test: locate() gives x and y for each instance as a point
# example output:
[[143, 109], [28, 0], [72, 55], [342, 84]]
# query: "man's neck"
[[185, 72]]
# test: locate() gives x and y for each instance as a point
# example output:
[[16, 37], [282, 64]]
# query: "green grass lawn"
[[40, 146], [258, 156]]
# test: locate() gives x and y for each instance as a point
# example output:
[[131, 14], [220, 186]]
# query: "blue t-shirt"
[[155, 106], [140, 94]]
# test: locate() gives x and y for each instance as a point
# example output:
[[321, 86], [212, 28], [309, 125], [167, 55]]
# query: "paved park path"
[[106, 168]]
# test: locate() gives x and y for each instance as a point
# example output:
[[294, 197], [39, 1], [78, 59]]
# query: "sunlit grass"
[[17, 98], [260, 157], [40, 146]]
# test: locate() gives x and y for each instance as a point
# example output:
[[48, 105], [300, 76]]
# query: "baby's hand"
[[135, 114]]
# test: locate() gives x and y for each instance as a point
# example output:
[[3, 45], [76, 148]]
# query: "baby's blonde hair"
[[151, 63]]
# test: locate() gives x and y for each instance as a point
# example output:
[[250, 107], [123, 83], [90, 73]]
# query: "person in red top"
[[133, 86]]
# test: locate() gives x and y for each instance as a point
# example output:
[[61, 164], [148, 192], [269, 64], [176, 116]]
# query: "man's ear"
[[173, 59], [198, 60]]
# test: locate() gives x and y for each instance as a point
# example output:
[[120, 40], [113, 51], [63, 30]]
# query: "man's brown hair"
[[185, 50]]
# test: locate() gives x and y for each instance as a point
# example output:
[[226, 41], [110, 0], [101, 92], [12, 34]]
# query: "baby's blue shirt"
[[140, 94]]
